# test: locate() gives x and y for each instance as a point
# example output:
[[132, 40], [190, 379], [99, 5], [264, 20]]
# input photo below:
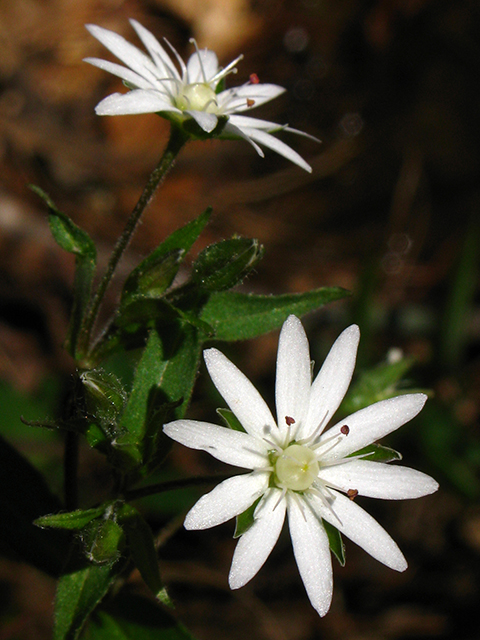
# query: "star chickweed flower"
[[298, 468], [194, 93]]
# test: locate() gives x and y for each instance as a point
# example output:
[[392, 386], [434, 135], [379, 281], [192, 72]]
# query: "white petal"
[[202, 66], [277, 145], [379, 480], [374, 422], [163, 61], [292, 390], [312, 553], [122, 72], [207, 121], [331, 383], [126, 52], [232, 131], [256, 123], [235, 99], [240, 395], [136, 101], [233, 447], [256, 544], [362, 529], [227, 500]]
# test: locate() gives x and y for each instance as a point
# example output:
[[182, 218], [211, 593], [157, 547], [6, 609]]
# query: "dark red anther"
[[352, 494], [289, 420], [254, 78], [250, 102], [345, 429]]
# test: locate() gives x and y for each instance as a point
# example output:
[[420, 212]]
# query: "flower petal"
[[136, 101], [292, 390], [232, 131], [202, 66], [262, 137], [120, 71], [378, 480], [207, 121], [331, 383], [227, 445], [239, 99], [256, 544], [126, 52], [362, 529], [312, 552], [240, 395], [165, 65], [374, 422], [227, 500]]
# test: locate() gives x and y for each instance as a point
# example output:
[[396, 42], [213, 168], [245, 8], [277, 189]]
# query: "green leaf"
[[230, 419], [78, 593], [142, 548], [74, 520], [74, 240], [240, 316], [377, 453], [225, 264], [245, 520], [105, 398], [24, 497], [335, 541], [132, 617]]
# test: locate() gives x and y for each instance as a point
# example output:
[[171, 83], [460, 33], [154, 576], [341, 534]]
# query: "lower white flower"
[[296, 467]]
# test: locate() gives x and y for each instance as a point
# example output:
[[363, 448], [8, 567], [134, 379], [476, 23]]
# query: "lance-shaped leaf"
[[142, 549], [78, 593], [225, 264], [74, 240], [74, 520], [133, 617], [240, 316], [152, 277]]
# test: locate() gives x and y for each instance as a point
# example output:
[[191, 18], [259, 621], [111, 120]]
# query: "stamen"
[[282, 496], [288, 419], [345, 429], [352, 493], [254, 78], [320, 494], [181, 63], [194, 42], [250, 102], [311, 439]]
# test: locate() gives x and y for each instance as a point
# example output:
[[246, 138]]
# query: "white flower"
[[296, 467], [158, 87]]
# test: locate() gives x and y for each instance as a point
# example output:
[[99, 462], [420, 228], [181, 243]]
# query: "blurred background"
[[390, 212]]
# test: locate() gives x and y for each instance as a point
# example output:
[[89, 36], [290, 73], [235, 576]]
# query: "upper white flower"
[[296, 467], [158, 87]]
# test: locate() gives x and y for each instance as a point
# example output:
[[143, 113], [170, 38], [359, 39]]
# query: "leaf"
[[240, 316], [377, 453], [78, 593], [74, 520], [24, 497], [230, 419], [244, 521], [105, 398], [74, 240], [335, 541], [132, 617], [142, 548], [225, 264]]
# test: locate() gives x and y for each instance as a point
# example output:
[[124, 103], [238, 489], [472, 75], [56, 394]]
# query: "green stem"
[[172, 485], [175, 143]]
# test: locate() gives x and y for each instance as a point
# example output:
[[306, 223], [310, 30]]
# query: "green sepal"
[[142, 549], [240, 316], [74, 520], [105, 398], [78, 593], [244, 520], [103, 540], [152, 277], [377, 453], [74, 240], [335, 541], [376, 384], [230, 419], [225, 264]]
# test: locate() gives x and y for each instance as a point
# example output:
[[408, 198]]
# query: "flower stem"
[[177, 139], [171, 485]]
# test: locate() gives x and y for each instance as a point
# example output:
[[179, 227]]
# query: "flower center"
[[198, 96], [297, 468]]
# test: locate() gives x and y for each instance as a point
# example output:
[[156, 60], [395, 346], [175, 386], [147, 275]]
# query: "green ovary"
[[296, 468], [197, 97]]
